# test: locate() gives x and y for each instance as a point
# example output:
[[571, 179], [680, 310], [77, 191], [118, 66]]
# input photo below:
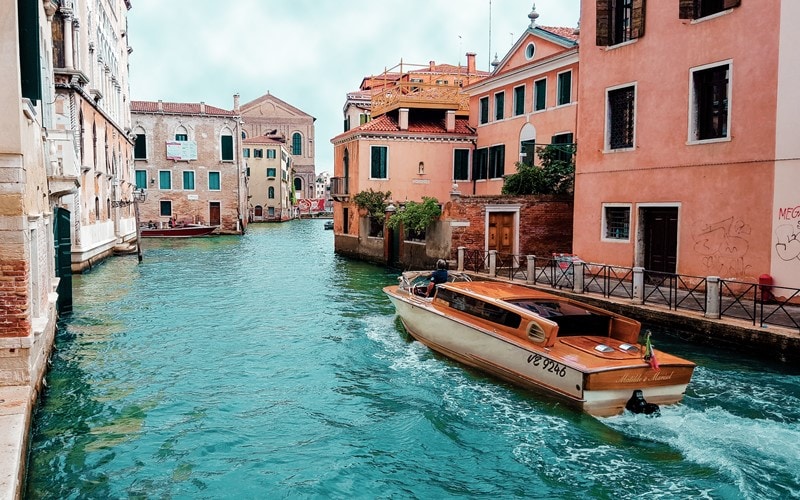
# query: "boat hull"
[[178, 232], [556, 372]]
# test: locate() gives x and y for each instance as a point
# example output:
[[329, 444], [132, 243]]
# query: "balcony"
[[63, 166], [340, 188]]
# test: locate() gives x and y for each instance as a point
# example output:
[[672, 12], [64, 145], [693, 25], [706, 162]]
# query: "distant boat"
[[187, 231], [328, 224], [583, 355]]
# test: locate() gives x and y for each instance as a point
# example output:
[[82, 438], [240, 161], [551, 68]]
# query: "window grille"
[[621, 117]]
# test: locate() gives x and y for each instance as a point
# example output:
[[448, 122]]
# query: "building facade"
[[688, 159], [269, 174], [529, 101], [268, 115], [92, 123], [188, 159]]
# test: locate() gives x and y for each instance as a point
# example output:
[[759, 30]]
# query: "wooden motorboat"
[[182, 231], [585, 356], [328, 224]]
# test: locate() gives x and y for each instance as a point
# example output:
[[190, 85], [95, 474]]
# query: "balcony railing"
[[340, 188]]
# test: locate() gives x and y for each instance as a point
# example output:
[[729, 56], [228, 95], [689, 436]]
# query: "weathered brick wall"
[[14, 314], [545, 224]]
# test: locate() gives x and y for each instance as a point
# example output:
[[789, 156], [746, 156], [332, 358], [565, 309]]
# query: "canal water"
[[267, 367]]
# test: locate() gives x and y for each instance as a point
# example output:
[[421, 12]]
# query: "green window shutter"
[[499, 105], [480, 163], [461, 165], [140, 147], [141, 179], [29, 58], [541, 95], [213, 181], [164, 180], [519, 100], [603, 34], [484, 110], [183, 137], [378, 163], [188, 180], [246, 153], [248, 172], [270, 172], [227, 148], [565, 88], [165, 208]]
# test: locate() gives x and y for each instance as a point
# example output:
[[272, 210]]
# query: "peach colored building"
[[528, 101], [687, 140], [269, 170], [417, 137]]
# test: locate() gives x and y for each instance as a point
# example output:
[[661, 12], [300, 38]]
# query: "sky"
[[311, 53]]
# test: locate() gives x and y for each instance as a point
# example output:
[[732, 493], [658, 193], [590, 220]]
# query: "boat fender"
[[637, 404]]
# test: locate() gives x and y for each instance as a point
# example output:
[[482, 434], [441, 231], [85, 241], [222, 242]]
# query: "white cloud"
[[310, 53]]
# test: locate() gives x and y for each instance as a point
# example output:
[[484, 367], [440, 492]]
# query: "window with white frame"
[[697, 9], [710, 96], [619, 21], [616, 222], [540, 94], [499, 105], [188, 180], [621, 119], [164, 179], [519, 100], [564, 90], [214, 181], [483, 110], [379, 162]]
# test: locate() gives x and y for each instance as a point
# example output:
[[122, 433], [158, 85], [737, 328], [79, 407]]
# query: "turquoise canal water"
[[267, 367]]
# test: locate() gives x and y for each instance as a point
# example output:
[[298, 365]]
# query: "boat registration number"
[[547, 365]]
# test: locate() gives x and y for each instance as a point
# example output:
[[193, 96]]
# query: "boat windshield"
[[571, 319]]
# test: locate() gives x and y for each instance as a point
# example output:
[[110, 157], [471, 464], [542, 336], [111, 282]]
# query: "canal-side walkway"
[[15, 414]]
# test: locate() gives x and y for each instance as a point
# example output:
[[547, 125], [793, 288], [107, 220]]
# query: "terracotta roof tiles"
[[387, 123], [178, 108]]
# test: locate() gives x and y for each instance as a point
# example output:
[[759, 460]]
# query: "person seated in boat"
[[151, 225], [438, 276]]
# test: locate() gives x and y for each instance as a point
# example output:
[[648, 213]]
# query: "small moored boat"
[[184, 231], [588, 357], [328, 224]]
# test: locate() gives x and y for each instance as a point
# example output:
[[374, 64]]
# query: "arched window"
[[297, 144], [96, 208], [271, 193], [181, 134], [140, 146], [226, 144], [346, 162], [108, 207], [298, 184], [244, 135], [259, 211]]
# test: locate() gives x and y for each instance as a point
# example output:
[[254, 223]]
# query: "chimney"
[[450, 120], [470, 63], [160, 106], [202, 107], [432, 65], [402, 118], [236, 103]]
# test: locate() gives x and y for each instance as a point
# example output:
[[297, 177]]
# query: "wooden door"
[[661, 239], [214, 213], [501, 232]]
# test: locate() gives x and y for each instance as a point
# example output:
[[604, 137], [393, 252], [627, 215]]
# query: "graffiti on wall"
[[787, 234], [723, 246]]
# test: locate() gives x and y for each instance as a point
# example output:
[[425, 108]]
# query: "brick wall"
[[545, 224], [14, 315]]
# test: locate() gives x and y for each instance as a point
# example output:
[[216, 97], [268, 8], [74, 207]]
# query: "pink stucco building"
[[688, 159]]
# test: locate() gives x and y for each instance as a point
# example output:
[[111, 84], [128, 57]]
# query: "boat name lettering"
[[642, 377], [547, 365]]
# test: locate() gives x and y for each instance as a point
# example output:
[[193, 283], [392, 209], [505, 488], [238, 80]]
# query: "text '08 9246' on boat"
[[583, 355]]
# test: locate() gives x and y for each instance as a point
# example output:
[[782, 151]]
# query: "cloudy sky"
[[310, 53]]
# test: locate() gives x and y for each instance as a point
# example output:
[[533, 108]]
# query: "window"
[[497, 159], [258, 153], [246, 153], [165, 208], [484, 110], [271, 172], [619, 21], [378, 163], [271, 193], [164, 179], [181, 137], [270, 153], [226, 145], [540, 95], [519, 100], [499, 103], [298, 184], [565, 144], [140, 147], [530, 50], [297, 144], [528, 149], [617, 222], [461, 164], [564, 88], [695, 9], [363, 118], [141, 179], [480, 162], [213, 181], [710, 90], [620, 126], [346, 123], [188, 180]]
